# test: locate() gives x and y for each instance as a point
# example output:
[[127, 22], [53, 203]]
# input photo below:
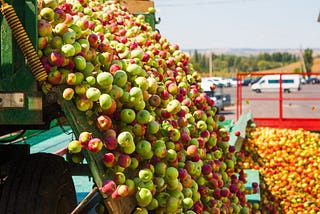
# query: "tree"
[[308, 60]]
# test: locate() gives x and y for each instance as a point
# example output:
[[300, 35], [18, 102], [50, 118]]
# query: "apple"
[[104, 122], [143, 116], [153, 127], [84, 138], [104, 79], [143, 197], [74, 146], [105, 101], [68, 93], [120, 78], [44, 28], [56, 58], [172, 204], [124, 160], [68, 50], [116, 92], [110, 142], [69, 37], [108, 187], [119, 178], [93, 93], [109, 159], [80, 62], [95, 145], [145, 175], [127, 115], [139, 130], [126, 142], [83, 103]]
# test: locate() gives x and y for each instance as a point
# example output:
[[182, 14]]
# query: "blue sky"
[[274, 24]]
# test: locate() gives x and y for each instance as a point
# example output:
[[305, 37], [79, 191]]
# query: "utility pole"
[[302, 61]]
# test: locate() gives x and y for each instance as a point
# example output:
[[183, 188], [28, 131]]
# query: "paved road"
[[292, 106]]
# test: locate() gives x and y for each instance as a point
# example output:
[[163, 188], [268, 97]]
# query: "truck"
[[275, 82]]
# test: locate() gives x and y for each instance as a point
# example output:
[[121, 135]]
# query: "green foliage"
[[227, 65], [308, 59]]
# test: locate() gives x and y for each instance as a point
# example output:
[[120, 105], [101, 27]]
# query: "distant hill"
[[251, 51], [292, 66]]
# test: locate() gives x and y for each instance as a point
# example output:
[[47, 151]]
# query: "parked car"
[[218, 101], [250, 81], [313, 80], [232, 82]]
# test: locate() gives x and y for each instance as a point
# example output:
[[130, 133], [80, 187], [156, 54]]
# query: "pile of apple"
[[161, 139], [288, 161]]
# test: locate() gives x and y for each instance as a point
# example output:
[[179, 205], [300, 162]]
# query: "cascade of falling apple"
[[143, 94]]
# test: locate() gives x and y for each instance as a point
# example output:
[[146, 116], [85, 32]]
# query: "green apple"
[[80, 63], [145, 175], [126, 142], [143, 197], [142, 83], [153, 127], [93, 93], [174, 106], [74, 146], [127, 115], [143, 147], [135, 92], [187, 203], [160, 168], [120, 78], [143, 116], [105, 101], [104, 79], [171, 173], [172, 204], [69, 37], [68, 50]]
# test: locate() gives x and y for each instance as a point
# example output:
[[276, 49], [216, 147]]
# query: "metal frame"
[[312, 124]]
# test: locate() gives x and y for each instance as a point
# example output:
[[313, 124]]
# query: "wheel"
[[286, 90], [42, 183]]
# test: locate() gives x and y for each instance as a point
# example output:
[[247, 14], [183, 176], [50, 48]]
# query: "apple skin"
[[143, 197], [124, 160], [104, 122], [126, 142], [44, 28], [110, 142], [145, 175], [95, 145], [127, 115], [105, 101], [108, 187], [109, 159], [68, 93], [93, 93], [143, 116], [84, 138], [74, 146]]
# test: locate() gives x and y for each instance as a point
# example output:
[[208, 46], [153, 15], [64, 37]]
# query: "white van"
[[271, 83]]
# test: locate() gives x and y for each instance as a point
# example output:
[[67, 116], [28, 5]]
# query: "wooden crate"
[[137, 6]]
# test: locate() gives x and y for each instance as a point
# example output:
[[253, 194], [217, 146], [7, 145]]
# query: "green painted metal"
[[241, 125], [15, 75]]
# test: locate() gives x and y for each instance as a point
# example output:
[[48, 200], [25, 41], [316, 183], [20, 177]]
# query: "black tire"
[[40, 184]]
